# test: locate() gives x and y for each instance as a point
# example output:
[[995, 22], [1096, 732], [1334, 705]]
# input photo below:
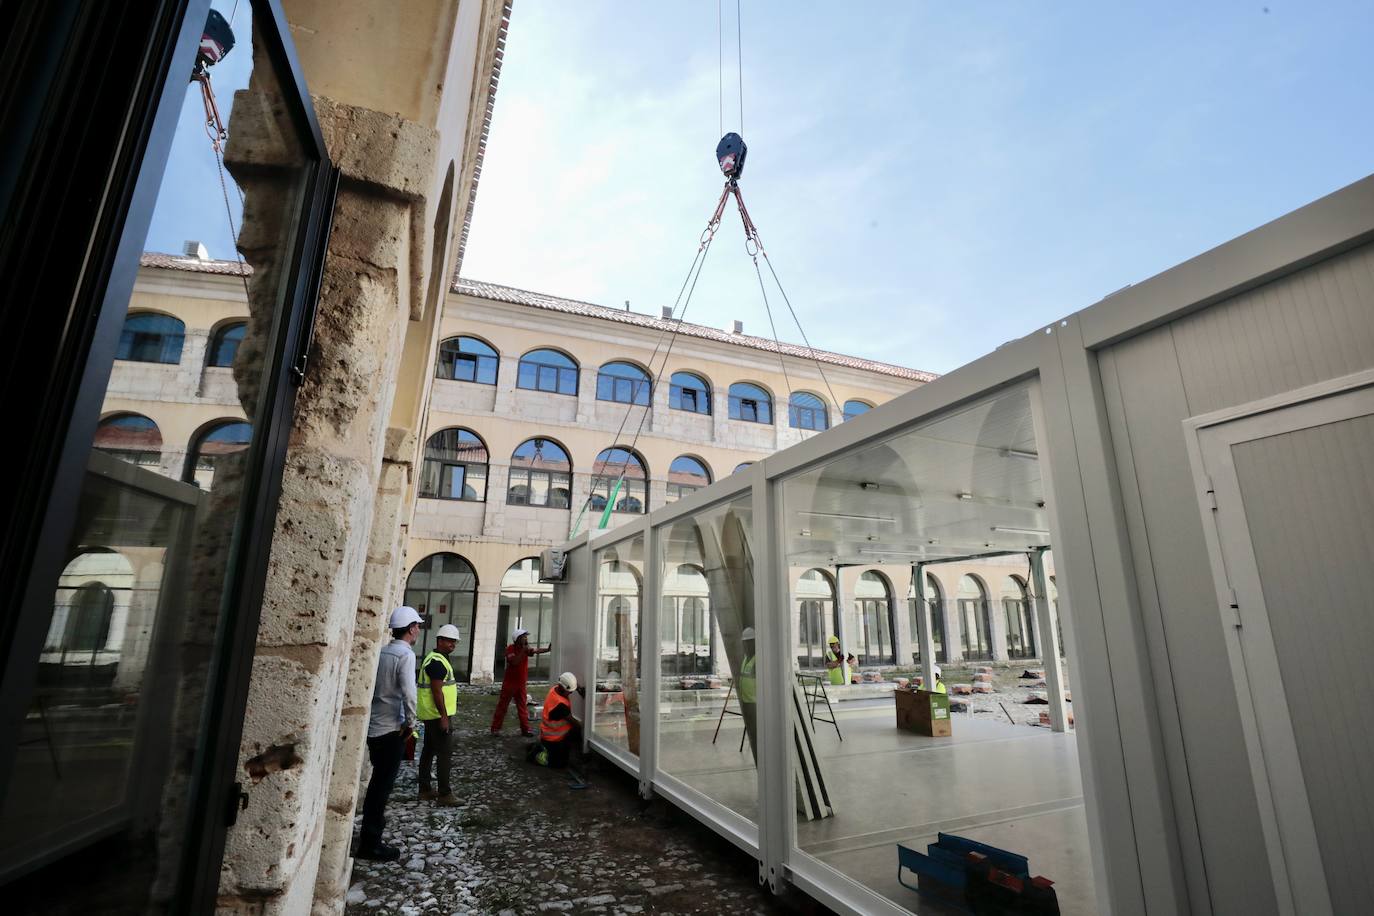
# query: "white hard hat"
[[449, 631], [404, 616], [568, 680], [521, 631], [747, 634], [936, 670]]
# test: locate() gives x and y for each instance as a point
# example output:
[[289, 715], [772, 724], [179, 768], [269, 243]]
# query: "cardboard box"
[[923, 712]]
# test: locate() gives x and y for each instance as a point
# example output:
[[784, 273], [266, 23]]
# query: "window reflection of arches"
[[455, 466], [149, 337], [807, 411], [856, 408], [547, 370], [211, 447], [540, 475], [935, 600], [443, 588], [623, 383], [632, 496], [685, 625], [525, 603], [872, 633], [1017, 608], [689, 392], [467, 359], [224, 344], [88, 622], [687, 474], [130, 437], [817, 618], [750, 403], [975, 624], [741, 466]]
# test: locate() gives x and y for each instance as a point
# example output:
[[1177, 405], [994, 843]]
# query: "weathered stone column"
[[380, 589], [586, 395], [484, 633], [904, 642], [323, 535]]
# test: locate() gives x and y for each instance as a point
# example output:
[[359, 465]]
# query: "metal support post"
[[925, 635], [1054, 669], [649, 667], [772, 621]]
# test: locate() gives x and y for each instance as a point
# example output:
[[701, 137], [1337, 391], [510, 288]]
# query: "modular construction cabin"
[[1195, 450]]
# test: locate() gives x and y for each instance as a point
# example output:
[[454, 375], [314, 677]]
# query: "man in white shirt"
[[393, 720]]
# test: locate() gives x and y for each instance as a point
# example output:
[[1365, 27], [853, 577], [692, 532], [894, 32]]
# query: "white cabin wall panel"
[[1217, 814]]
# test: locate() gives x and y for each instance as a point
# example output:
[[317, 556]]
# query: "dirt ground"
[[526, 842]]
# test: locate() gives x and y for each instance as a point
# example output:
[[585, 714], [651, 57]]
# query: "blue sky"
[[931, 179]]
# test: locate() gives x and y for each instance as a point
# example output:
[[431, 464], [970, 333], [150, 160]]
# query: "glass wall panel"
[[526, 604], [443, 588], [126, 643], [707, 692], [876, 768], [619, 600], [870, 622], [1017, 608]]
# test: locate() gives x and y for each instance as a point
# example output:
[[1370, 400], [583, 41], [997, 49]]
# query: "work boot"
[[448, 801], [427, 794], [379, 853]]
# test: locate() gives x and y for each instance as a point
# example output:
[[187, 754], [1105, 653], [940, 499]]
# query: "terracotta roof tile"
[[193, 265], [515, 296]]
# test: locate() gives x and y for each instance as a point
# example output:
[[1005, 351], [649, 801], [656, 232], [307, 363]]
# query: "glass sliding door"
[[135, 604], [619, 601]]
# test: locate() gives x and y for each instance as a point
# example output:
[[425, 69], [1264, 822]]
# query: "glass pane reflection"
[[708, 688], [619, 598]]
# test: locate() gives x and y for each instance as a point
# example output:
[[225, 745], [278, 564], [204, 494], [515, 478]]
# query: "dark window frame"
[[815, 417], [679, 395], [170, 344], [449, 467], [213, 357], [549, 378], [622, 389], [478, 365]]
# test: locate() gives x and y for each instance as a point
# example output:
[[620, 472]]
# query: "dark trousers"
[[386, 752], [438, 744]]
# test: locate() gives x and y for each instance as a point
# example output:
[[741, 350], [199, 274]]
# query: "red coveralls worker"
[[513, 683]]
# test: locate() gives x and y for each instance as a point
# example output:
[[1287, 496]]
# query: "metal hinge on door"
[[1211, 494], [1235, 607]]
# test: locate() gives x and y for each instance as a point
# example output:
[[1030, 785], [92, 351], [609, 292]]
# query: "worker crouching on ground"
[[391, 722], [837, 662], [438, 701], [515, 681], [559, 730]]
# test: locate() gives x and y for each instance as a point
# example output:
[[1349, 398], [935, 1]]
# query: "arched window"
[[975, 627], [684, 633], [816, 617], [807, 411], [443, 588], [467, 359], [151, 338], [455, 466], [547, 370], [750, 403], [624, 383], [1053, 588], [872, 630], [633, 495], [224, 345], [689, 392], [540, 475], [88, 623], [741, 466], [686, 475], [935, 599], [526, 604], [853, 409], [212, 447], [1017, 607], [131, 437]]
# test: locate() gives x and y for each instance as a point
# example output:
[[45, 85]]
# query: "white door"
[[1287, 494]]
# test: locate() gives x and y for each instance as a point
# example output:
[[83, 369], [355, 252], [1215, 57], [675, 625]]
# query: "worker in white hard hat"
[[746, 685], [939, 685], [438, 701], [515, 681], [560, 732], [391, 723]]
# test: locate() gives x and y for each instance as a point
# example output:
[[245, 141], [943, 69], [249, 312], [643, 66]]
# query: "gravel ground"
[[525, 842]]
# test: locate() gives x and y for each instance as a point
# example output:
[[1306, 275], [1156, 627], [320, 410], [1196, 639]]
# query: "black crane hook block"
[[216, 40], [730, 153]]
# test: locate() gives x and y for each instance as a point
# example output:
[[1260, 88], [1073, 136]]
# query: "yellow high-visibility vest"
[[746, 685], [424, 698], [839, 675]]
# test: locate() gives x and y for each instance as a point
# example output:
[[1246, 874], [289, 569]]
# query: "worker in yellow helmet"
[[836, 662]]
